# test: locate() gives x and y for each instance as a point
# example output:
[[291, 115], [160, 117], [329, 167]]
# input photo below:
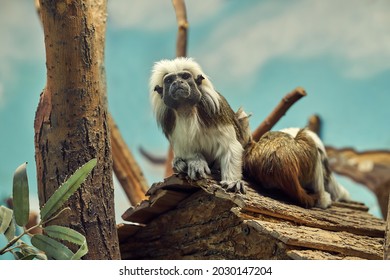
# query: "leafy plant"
[[43, 246]]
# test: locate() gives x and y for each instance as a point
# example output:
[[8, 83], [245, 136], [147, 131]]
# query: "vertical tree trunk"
[[71, 120], [386, 254]]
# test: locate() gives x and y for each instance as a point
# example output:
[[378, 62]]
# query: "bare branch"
[[152, 158], [370, 168], [278, 112], [182, 23], [125, 166], [314, 124]]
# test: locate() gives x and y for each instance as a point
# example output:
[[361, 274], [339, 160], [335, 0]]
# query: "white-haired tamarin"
[[206, 133], [200, 125], [294, 160]]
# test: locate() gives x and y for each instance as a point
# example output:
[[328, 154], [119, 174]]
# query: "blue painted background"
[[253, 51]]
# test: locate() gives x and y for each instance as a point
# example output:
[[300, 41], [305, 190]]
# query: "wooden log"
[[200, 220]]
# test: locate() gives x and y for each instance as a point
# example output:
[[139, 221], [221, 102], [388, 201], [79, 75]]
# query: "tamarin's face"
[[180, 90]]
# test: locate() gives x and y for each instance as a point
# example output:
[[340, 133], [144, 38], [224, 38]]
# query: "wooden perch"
[[125, 167], [278, 112], [199, 220], [370, 168], [181, 51]]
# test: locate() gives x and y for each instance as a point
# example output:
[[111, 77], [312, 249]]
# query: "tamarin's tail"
[[289, 183], [281, 161]]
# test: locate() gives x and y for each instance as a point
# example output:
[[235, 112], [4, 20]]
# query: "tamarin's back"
[[278, 160]]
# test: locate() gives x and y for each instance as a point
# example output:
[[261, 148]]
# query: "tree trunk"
[[386, 253], [71, 120]]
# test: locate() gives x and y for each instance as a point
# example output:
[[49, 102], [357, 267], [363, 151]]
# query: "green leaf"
[[51, 247], [10, 231], [66, 190], [17, 255], [26, 249], [21, 195], [41, 256], [28, 257], [5, 218], [70, 235]]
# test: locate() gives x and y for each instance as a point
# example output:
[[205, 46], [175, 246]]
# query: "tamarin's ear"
[[199, 80], [158, 89]]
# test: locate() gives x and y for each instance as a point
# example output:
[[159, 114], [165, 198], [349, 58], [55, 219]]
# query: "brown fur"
[[280, 161]]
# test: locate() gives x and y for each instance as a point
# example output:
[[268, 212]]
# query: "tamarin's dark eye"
[[168, 80], [186, 76]]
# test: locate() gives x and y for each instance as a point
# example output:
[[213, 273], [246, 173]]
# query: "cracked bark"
[[71, 120], [198, 220]]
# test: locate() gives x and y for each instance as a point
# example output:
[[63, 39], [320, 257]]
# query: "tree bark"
[[386, 253], [71, 120], [184, 219]]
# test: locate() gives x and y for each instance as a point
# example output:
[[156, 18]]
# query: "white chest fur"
[[189, 137]]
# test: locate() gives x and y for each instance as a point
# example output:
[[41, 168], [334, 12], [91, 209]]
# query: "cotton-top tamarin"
[[201, 127], [294, 160]]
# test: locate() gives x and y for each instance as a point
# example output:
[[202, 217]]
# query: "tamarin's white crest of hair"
[[165, 66]]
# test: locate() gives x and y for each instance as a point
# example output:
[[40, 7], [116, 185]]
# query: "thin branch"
[[125, 166], [278, 112], [152, 158], [8, 248], [182, 23], [314, 124]]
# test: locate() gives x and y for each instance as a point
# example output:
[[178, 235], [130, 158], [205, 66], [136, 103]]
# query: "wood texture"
[[71, 120], [386, 253], [370, 168], [199, 220]]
